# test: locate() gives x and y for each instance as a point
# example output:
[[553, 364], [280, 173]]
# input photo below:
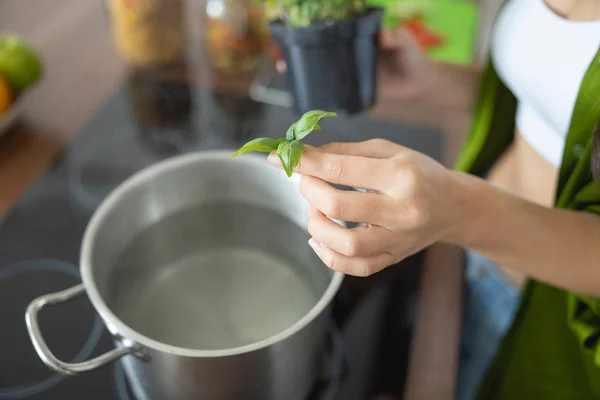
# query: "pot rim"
[[129, 334], [370, 12]]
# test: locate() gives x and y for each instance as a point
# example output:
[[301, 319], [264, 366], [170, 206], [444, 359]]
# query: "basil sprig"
[[290, 148]]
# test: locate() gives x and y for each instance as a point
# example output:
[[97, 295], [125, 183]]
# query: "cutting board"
[[456, 20]]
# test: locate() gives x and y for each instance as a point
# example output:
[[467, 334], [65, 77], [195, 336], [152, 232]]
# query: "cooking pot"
[[200, 268]]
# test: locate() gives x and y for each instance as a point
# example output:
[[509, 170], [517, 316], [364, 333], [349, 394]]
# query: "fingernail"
[[273, 159], [316, 246]]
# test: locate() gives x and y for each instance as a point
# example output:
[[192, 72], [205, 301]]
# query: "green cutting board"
[[456, 20]]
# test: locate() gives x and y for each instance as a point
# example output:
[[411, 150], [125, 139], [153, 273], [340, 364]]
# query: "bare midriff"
[[523, 172]]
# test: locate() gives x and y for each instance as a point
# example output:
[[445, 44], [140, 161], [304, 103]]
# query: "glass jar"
[[148, 32], [236, 117], [157, 100], [236, 34], [162, 107]]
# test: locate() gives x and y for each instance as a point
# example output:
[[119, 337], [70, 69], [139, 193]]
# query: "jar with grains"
[[149, 32], [236, 34]]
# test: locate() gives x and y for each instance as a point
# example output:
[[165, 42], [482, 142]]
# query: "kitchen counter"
[[83, 70]]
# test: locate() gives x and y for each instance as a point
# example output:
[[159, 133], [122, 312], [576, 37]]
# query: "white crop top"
[[542, 58]]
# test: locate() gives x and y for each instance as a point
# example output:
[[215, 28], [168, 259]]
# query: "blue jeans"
[[490, 304]]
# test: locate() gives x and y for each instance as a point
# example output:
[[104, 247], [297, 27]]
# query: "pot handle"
[[33, 328]]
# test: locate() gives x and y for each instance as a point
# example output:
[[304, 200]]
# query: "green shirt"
[[552, 350]]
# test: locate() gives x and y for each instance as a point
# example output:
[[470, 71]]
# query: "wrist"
[[472, 204]]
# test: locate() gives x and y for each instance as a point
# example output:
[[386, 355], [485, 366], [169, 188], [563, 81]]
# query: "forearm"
[[559, 247]]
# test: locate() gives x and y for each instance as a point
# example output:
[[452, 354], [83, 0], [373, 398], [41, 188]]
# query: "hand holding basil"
[[290, 148]]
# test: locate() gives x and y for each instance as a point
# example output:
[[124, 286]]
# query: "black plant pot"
[[332, 67]]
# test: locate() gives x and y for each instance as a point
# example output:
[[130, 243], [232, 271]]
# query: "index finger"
[[341, 169]]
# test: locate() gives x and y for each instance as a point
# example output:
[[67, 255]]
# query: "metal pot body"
[[284, 370], [200, 269]]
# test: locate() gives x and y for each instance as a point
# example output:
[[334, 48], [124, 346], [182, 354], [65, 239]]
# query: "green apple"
[[20, 63]]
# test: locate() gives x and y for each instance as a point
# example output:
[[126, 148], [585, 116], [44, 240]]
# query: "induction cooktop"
[[144, 121]]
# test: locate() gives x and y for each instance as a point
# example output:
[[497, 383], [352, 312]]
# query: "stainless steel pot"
[[200, 269]]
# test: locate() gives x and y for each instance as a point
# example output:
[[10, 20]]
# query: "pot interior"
[[212, 274]]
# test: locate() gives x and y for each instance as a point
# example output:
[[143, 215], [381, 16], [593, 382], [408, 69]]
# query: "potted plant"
[[330, 49]]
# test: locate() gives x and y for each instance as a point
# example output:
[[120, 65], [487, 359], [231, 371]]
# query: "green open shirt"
[[552, 350]]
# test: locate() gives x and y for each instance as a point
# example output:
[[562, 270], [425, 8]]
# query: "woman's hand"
[[409, 203], [404, 70], [412, 202]]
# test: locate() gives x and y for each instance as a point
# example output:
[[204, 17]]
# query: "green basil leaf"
[[290, 148], [308, 123], [291, 132], [289, 152], [261, 144]]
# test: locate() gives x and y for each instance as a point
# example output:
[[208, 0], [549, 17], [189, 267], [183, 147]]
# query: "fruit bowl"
[[8, 119]]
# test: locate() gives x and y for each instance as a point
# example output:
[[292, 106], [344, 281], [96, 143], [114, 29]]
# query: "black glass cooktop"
[[145, 121]]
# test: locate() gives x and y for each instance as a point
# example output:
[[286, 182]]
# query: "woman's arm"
[[559, 247], [413, 202]]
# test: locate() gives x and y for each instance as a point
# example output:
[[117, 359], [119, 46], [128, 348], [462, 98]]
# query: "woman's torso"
[[542, 57]]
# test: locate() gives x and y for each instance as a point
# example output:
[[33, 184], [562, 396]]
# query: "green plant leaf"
[[266, 145], [290, 148], [302, 13], [291, 132], [307, 124], [289, 152]]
